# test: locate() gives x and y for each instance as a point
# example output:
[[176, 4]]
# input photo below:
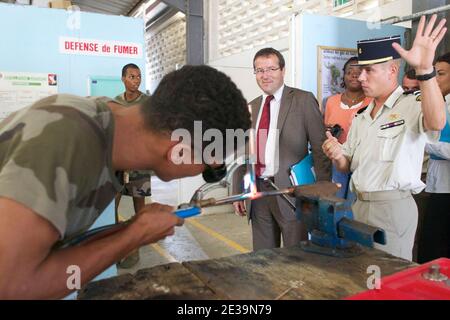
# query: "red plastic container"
[[410, 284]]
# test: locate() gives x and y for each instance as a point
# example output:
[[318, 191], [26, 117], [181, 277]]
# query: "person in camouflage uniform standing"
[[58, 163], [137, 183]]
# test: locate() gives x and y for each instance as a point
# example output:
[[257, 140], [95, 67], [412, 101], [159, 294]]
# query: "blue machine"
[[328, 220], [332, 228]]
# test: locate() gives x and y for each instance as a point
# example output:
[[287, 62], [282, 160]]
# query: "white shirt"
[[391, 158], [438, 176], [346, 107], [271, 153]]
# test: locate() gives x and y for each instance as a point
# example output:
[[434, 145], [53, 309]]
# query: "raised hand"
[[422, 53]]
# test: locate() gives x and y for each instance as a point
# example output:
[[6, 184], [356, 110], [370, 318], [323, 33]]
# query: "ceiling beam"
[[180, 5], [152, 6], [136, 6], [193, 9]]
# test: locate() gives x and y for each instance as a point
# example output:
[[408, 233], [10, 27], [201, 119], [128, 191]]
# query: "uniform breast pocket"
[[390, 142]]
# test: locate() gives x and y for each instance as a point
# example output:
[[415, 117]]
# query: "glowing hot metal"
[[241, 197]]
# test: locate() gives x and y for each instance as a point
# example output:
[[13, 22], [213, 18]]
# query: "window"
[[338, 3]]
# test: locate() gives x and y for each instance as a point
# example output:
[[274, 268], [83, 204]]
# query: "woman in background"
[[434, 241], [341, 109]]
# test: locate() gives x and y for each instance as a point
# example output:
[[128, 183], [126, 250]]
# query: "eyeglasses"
[[211, 175], [267, 70]]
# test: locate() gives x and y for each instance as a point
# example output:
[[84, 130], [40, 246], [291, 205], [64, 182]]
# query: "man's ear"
[[395, 67], [179, 153]]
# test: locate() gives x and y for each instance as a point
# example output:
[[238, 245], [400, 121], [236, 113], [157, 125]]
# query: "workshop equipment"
[[193, 208], [429, 281], [331, 226], [328, 220], [329, 223], [185, 212]]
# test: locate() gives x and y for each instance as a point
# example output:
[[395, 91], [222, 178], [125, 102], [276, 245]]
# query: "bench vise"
[[332, 230]]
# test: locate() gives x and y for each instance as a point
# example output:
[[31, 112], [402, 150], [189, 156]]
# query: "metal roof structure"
[[113, 7]]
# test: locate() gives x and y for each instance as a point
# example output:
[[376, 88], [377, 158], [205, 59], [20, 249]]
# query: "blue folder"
[[303, 172]]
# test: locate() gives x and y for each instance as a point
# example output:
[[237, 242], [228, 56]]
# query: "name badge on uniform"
[[392, 124]]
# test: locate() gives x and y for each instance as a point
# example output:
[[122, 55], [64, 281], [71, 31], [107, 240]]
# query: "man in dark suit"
[[286, 121]]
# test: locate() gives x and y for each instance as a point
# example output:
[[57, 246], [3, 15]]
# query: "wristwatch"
[[425, 77]]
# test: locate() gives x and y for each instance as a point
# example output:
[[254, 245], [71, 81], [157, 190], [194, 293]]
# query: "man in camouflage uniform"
[[58, 163], [136, 182]]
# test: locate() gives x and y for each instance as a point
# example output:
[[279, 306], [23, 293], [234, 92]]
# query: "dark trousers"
[[422, 200], [434, 240], [271, 221]]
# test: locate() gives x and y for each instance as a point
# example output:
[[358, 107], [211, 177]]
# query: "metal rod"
[[319, 189], [284, 196], [394, 20], [241, 197]]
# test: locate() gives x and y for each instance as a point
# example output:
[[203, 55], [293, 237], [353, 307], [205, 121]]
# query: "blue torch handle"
[[189, 212]]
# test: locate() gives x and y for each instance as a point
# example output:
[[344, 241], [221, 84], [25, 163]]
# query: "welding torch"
[[194, 208], [184, 211]]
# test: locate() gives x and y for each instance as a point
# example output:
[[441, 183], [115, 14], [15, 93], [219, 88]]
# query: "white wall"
[[240, 67], [400, 8]]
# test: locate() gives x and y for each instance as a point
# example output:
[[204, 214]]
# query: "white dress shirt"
[[438, 176], [271, 153]]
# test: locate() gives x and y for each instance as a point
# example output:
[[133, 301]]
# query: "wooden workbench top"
[[264, 274]]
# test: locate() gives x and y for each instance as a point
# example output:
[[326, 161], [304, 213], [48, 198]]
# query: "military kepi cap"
[[377, 50]]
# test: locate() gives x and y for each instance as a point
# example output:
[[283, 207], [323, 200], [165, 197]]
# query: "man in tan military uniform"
[[137, 183], [384, 150], [58, 159]]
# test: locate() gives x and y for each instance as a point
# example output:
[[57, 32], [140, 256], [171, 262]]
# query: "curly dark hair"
[[196, 93], [266, 52]]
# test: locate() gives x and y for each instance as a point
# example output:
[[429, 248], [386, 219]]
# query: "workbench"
[[264, 274]]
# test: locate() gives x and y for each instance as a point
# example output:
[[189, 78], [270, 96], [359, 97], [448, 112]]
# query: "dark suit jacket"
[[299, 122]]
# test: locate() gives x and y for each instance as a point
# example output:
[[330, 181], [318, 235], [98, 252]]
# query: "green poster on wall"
[[21, 89]]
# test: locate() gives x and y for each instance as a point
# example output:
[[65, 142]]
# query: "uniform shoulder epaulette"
[[361, 111], [416, 93], [413, 91]]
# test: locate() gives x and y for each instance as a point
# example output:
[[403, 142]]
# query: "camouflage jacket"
[[55, 158]]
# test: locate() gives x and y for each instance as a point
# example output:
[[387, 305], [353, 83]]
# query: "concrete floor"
[[203, 237]]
